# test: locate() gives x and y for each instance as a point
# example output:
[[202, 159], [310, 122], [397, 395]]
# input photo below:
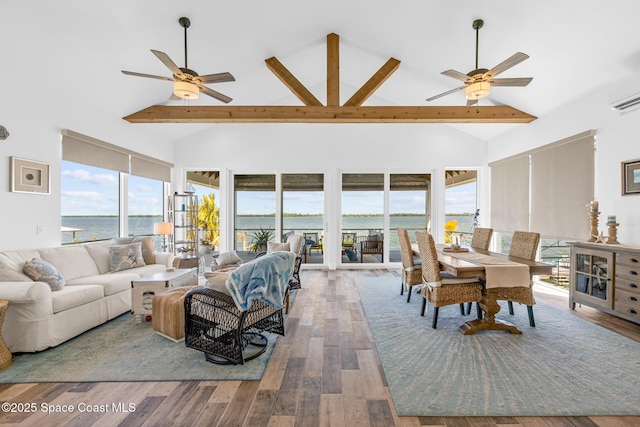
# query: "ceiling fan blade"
[[131, 73], [446, 93], [513, 60], [168, 62], [456, 75], [517, 81], [215, 78], [217, 95]]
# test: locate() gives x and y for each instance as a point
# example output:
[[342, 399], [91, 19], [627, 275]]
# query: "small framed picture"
[[29, 176], [631, 177]]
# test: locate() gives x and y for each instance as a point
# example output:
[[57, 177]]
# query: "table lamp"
[[164, 229]]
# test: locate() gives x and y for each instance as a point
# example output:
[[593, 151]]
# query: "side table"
[[5, 354], [145, 288]]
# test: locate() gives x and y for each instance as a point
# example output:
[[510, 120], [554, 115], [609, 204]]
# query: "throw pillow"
[[147, 246], [43, 271], [351, 255], [123, 257], [273, 247], [226, 258]]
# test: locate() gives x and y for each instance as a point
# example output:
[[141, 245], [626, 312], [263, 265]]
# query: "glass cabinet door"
[[593, 277]]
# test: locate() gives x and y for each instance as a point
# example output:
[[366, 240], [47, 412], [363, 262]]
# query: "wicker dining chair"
[[440, 288], [480, 240], [411, 270], [523, 245]]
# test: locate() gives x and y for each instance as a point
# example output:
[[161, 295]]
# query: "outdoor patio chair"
[[411, 270], [440, 288], [373, 244], [313, 242]]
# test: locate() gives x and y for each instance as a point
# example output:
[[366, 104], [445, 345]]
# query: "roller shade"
[[562, 183], [510, 194], [83, 149]]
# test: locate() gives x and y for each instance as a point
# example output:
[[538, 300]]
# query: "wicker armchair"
[[411, 271], [481, 238], [215, 326], [439, 289], [523, 245]]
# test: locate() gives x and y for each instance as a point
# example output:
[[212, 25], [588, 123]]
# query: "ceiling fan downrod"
[[185, 23], [477, 24]]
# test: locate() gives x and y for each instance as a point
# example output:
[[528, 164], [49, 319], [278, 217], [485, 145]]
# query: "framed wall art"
[[29, 176], [631, 177]]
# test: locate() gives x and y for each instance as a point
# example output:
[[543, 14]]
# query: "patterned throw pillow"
[[43, 271], [225, 259], [123, 257]]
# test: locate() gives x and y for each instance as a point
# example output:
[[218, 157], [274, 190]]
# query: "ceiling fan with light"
[[477, 83], [187, 84]]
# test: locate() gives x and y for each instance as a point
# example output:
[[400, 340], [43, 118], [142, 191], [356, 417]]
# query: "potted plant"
[[259, 240], [204, 247]]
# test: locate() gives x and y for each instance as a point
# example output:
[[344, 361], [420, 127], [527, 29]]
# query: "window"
[[460, 200], [90, 203], [362, 214], [255, 208], [409, 208]]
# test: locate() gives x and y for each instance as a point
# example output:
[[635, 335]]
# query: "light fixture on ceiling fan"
[[187, 84], [478, 82]]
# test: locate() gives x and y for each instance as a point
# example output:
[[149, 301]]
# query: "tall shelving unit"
[[183, 214]]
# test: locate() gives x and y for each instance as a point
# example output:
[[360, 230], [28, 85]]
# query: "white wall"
[[616, 141]]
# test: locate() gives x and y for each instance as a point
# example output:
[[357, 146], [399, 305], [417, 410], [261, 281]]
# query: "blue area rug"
[[122, 350], [564, 366]]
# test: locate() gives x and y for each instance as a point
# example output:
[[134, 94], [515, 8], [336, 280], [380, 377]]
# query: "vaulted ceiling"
[[73, 51]]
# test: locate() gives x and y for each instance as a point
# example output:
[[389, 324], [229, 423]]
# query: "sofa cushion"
[[43, 271], [99, 251], [16, 259], [72, 261], [146, 244], [124, 257], [9, 274], [111, 283], [74, 296]]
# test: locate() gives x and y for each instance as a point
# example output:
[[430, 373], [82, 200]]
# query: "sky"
[[91, 191]]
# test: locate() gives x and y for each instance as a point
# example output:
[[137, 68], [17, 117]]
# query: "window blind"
[[562, 183], [510, 194], [83, 149]]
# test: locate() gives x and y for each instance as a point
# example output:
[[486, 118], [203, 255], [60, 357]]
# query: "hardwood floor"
[[324, 372]]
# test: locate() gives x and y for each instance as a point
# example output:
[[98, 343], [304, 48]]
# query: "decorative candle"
[[611, 219]]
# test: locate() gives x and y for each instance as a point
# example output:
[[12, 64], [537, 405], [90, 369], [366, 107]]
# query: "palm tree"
[[209, 219]]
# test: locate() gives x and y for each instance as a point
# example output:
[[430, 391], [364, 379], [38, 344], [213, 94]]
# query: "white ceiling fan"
[[478, 82], [187, 84]]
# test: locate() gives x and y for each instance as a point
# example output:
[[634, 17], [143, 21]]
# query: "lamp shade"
[[477, 90], [163, 228], [186, 90]]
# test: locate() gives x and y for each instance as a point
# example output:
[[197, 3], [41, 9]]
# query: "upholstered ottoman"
[[167, 317]]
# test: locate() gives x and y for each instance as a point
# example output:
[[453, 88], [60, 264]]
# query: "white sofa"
[[39, 318]]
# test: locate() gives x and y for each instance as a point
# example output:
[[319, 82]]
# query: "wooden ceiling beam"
[[373, 83], [291, 82], [321, 114], [333, 70]]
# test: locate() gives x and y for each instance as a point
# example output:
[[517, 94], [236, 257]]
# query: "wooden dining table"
[[462, 268]]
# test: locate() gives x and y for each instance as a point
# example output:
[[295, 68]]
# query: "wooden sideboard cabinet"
[[606, 277]]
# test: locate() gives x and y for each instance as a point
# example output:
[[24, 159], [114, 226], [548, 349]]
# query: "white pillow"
[[273, 247], [123, 257], [226, 258]]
